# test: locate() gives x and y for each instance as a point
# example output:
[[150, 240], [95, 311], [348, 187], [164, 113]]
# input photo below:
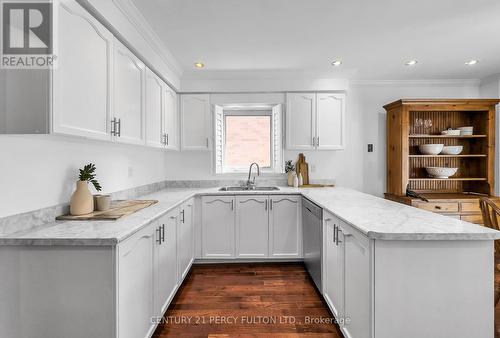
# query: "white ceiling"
[[373, 38]]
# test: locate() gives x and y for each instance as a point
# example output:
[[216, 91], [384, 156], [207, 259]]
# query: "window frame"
[[249, 110]]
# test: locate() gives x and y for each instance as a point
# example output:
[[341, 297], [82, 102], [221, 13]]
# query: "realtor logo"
[[27, 35]]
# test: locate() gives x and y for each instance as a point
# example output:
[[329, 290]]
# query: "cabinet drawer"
[[470, 207], [477, 219], [439, 206]]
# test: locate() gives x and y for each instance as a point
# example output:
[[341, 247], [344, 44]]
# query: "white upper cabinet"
[[83, 79], [170, 124], [315, 121], [195, 122], [285, 230], [154, 110], [129, 94], [300, 121], [217, 226], [252, 226], [330, 121]]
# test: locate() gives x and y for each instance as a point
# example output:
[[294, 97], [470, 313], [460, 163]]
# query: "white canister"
[[301, 180], [295, 181]]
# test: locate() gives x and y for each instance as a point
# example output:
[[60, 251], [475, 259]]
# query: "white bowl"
[[451, 132], [430, 149], [466, 130], [441, 172], [452, 150]]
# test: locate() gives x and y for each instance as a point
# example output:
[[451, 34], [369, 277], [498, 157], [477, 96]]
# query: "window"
[[247, 134]]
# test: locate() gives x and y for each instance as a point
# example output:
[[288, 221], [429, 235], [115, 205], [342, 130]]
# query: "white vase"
[[82, 201], [291, 175]]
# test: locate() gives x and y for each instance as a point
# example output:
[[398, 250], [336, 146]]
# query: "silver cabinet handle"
[[271, 205], [113, 126], [183, 216], [119, 132], [265, 207], [166, 139], [317, 141], [232, 205], [163, 233], [158, 231], [335, 234], [314, 141]]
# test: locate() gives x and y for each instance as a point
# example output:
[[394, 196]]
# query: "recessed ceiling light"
[[199, 65], [336, 63], [472, 62], [411, 62]]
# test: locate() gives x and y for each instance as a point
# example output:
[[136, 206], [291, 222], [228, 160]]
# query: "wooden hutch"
[[458, 195]]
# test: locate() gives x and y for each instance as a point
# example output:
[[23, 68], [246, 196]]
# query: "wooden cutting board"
[[117, 210], [303, 168]]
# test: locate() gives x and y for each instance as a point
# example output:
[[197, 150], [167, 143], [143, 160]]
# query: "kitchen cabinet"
[[285, 226], [333, 273], [166, 272], [136, 288], [82, 82], [300, 121], [170, 119], [129, 96], [356, 282], [195, 122], [154, 110], [315, 121], [218, 223], [252, 226], [330, 121], [185, 238]]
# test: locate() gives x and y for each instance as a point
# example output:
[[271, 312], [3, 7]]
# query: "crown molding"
[[419, 83], [136, 19]]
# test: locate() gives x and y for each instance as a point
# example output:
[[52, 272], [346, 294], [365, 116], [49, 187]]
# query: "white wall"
[[353, 167], [40, 171]]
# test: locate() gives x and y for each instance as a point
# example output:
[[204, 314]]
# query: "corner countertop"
[[375, 217]]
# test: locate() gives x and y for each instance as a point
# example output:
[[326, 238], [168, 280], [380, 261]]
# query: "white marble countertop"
[[377, 218]]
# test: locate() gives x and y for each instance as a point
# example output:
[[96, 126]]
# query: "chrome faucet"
[[251, 184]]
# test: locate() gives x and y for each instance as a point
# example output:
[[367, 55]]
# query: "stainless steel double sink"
[[243, 188]]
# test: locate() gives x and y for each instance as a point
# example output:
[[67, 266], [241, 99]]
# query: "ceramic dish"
[[441, 172], [466, 130], [451, 132], [451, 150], [430, 149]]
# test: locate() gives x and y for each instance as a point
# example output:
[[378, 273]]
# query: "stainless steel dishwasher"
[[312, 221]]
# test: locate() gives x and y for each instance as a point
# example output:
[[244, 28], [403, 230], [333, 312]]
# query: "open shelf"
[[449, 156], [447, 136], [449, 179]]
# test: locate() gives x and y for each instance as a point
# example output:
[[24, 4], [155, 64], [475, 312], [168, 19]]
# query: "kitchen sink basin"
[[249, 189]]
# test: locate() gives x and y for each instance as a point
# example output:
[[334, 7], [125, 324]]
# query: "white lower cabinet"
[[136, 283], [252, 226], [285, 226], [217, 226], [166, 273], [347, 276], [333, 267], [185, 238]]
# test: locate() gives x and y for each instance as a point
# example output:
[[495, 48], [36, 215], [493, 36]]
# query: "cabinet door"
[[217, 227], [171, 119], [195, 115], [186, 239], [82, 80], [285, 231], [330, 121], [129, 92], [300, 121], [167, 275], [252, 226], [136, 285], [332, 266], [357, 283], [154, 109]]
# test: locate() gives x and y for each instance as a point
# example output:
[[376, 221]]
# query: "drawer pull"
[[437, 207]]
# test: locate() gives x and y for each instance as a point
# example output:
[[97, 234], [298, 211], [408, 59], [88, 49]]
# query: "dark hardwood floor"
[[248, 300]]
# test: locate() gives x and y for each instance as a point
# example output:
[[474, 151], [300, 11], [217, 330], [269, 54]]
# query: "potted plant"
[[290, 170], [82, 201]]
